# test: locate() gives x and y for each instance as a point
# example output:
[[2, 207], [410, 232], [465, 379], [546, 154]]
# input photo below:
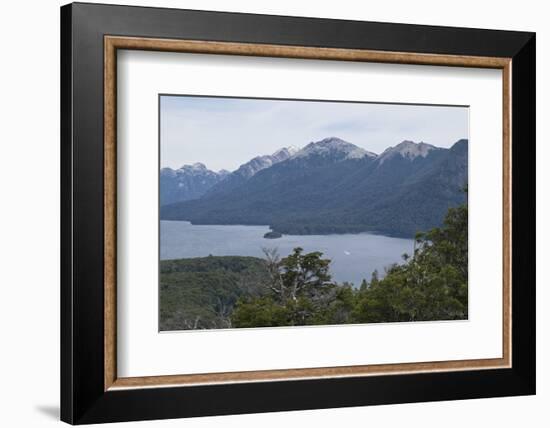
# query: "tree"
[[300, 292], [430, 285], [304, 275], [260, 312]]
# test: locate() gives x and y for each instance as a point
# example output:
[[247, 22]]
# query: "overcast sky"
[[224, 133]]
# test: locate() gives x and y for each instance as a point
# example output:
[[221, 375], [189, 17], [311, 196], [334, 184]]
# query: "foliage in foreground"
[[432, 284], [200, 293], [224, 292]]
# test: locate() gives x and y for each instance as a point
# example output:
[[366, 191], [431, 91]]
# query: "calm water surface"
[[354, 256]]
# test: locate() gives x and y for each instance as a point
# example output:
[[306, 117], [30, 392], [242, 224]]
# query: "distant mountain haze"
[[188, 182], [329, 186]]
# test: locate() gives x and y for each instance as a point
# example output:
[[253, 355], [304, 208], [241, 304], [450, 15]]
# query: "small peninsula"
[[272, 235]]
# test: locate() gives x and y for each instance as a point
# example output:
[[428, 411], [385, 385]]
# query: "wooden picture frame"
[[91, 390]]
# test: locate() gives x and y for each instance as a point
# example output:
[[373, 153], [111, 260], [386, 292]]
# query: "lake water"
[[354, 256]]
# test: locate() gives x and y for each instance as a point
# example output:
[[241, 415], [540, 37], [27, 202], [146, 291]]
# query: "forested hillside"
[[200, 293], [332, 186]]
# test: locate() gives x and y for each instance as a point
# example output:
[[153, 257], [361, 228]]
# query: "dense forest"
[[200, 293], [233, 292]]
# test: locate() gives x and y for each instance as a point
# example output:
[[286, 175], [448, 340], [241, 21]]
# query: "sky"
[[224, 133]]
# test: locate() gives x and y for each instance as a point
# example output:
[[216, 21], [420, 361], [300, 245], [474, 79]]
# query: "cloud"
[[226, 132]]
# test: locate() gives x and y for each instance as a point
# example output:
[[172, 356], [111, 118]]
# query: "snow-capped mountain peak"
[[335, 147], [407, 149], [285, 152], [258, 163], [196, 167], [187, 182]]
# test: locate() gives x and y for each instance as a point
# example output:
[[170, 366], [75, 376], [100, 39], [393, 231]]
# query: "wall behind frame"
[[29, 220]]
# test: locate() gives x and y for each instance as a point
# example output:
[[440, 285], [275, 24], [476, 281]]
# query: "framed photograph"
[[266, 213]]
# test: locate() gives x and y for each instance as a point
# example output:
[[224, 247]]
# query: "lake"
[[354, 256]]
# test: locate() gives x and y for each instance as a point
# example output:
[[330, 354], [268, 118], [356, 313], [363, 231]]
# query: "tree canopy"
[[431, 284]]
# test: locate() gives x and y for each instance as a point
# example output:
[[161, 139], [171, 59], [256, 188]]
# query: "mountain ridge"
[[251, 168], [333, 146], [187, 182], [332, 186]]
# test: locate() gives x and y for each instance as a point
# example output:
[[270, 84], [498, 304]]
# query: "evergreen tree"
[[300, 293], [431, 284]]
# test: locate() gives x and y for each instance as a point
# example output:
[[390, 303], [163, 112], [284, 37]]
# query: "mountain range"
[[187, 182], [329, 186]]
